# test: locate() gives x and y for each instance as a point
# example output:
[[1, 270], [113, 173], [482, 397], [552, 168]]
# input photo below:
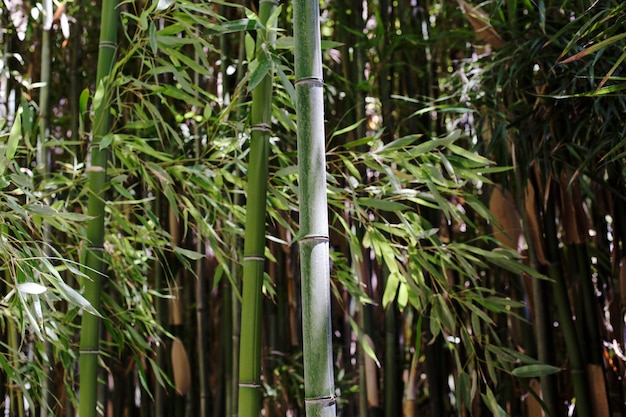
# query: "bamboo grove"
[[405, 208]]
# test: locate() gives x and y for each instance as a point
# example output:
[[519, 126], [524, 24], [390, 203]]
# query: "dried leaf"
[[597, 384], [532, 216], [180, 367], [481, 25], [533, 407], [507, 229], [568, 214]]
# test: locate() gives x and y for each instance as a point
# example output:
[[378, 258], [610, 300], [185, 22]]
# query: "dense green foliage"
[[475, 178]]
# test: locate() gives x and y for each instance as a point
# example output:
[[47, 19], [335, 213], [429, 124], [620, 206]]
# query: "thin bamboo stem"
[[250, 361], [43, 161], [90, 326]]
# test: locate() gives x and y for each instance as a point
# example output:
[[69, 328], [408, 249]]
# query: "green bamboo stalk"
[[562, 302], [254, 244], [94, 264], [313, 236]]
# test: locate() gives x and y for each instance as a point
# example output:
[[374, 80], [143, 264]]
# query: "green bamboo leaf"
[[31, 288], [379, 204], [347, 129], [14, 135], [177, 93], [443, 312], [261, 70], [75, 297], [237, 26], [288, 87], [98, 97], [106, 141], [272, 20], [490, 400], [403, 143], [463, 390], [535, 370], [152, 36], [431, 144], [250, 47], [469, 155], [193, 255], [391, 289], [618, 88], [364, 340]]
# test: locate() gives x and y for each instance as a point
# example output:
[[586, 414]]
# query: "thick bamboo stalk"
[[313, 236], [254, 245], [90, 336]]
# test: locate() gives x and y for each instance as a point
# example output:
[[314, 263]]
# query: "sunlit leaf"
[[31, 288]]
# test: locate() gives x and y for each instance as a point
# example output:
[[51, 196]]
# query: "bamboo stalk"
[[540, 314], [43, 162], [572, 343], [90, 325], [313, 236], [254, 245], [392, 390]]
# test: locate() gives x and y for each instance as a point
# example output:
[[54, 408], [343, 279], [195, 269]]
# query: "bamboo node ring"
[[321, 400], [107, 44], [249, 385], [263, 127], [309, 80], [309, 238]]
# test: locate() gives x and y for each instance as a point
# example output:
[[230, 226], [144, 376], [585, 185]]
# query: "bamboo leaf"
[[347, 129], [83, 100], [193, 255], [535, 370], [391, 289], [261, 70], [152, 38], [250, 46], [379, 204], [364, 340], [75, 297], [31, 288], [593, 48], [14, 135], [490, 400], [288, 87], [463, 390]]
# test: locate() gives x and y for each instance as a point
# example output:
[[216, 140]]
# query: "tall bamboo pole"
[[90, 337], [313, 236], [254, 244], [43, 161]]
